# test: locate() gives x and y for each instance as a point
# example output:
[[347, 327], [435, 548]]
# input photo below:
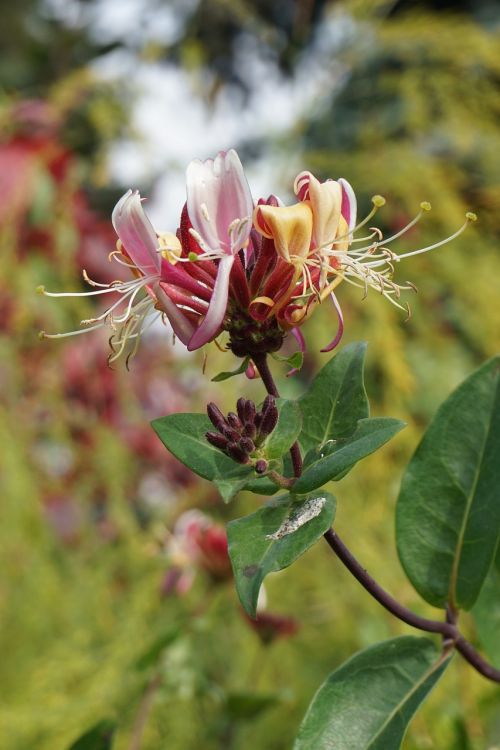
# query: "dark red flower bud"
[[237, 454], [216, 416], [261, 466], [217, 440], [249, 430], [247, 445], [268, 401], [250, 412], [234, 421], [269, 421], [241, 409], [230, 434]]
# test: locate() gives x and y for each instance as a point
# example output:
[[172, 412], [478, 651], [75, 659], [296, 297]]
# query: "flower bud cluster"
[[241, 433]]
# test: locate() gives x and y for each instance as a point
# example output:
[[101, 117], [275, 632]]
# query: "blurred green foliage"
[[87, 628]]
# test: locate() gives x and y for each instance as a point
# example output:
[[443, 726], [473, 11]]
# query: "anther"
[[425, 206], [378, 201], [471, 216]]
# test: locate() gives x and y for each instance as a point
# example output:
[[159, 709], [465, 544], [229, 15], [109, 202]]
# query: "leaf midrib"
[[470, 498], [428, 673]]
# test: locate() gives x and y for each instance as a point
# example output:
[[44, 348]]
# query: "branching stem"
[[448, 629]]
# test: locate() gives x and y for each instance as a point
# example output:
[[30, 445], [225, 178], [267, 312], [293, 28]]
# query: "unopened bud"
[[230, 434], [268, 401], [216, 416], [269, 421], [249, 430], [217, 440], [247, 445], [250, 411], [240, 408], [234, 421], [237, 454], [261, 466]]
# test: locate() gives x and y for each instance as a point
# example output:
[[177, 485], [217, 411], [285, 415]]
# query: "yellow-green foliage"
[[417, 121]]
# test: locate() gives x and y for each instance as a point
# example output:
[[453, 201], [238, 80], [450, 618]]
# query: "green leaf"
[[286, 431], [273, 537], [369, 701], [184, 436], [99, 737], [448, 511], [231, 373], [261, 486], [338, 456], [486, 612], [295, 360], [336, 399]]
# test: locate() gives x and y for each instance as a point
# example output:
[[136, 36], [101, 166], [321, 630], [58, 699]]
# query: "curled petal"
[[289, 226], [301, 185], [136, 233], [217, 307], [325, 199], [349, 204], [219, 202], [340, 330]]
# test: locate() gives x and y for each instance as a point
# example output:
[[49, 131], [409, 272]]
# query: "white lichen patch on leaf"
[[309, 510]]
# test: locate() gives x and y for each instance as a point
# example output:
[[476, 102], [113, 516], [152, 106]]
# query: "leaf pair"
[[331, 422]]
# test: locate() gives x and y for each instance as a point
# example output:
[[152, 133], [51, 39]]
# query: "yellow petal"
[[289, 226], [326, 202], [343, 231]]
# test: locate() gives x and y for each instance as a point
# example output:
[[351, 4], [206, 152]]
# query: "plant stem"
[[448, 628], [262, 366]]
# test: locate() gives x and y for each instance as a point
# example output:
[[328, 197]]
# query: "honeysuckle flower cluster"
[[254, 270], [240, 435]]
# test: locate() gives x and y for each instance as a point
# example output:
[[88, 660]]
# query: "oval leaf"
[[273, 537], [184, 436], [338, 456], [336, 399], [369, 701], [286, 431], [448, 512]]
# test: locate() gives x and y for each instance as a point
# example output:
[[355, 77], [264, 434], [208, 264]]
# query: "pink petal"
[[301, 185], [136, 233], [217, 195], [340, 329], [349, 204], [299, 338], [217, 308], [181, 325]]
